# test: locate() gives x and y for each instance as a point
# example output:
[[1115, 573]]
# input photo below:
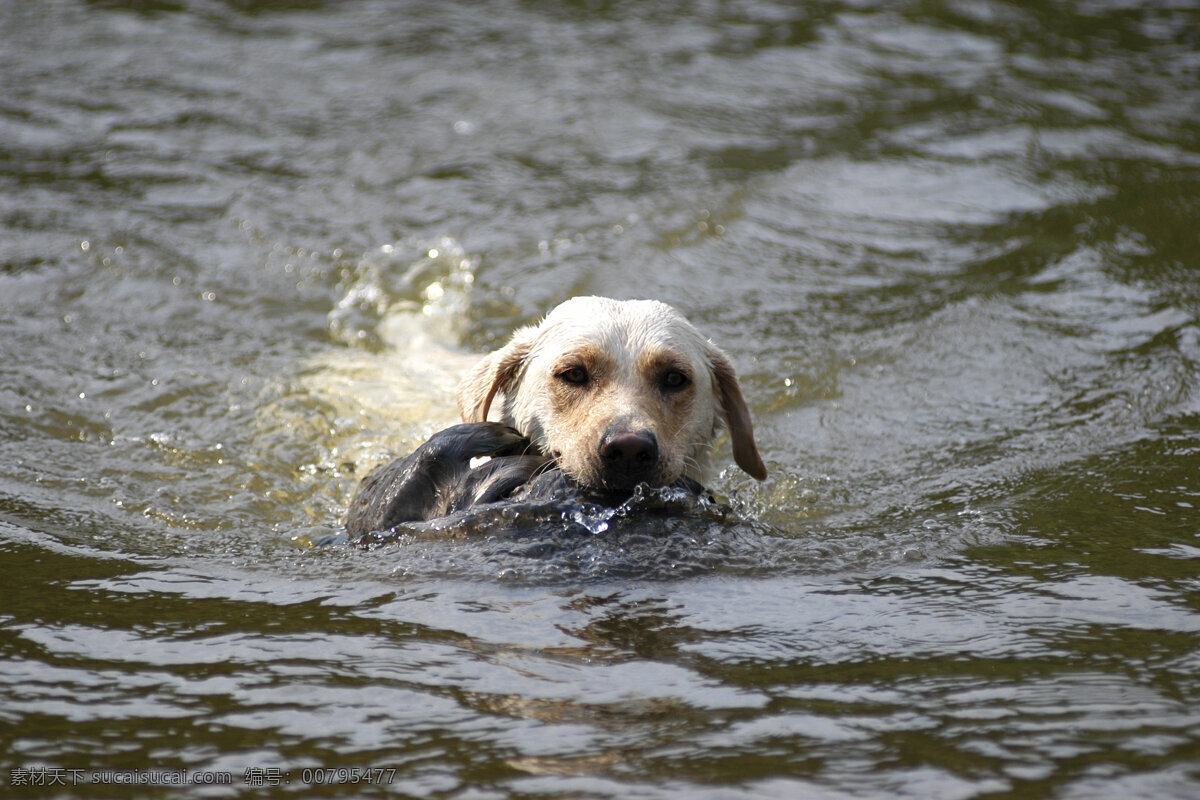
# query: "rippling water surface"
[[246, 248]]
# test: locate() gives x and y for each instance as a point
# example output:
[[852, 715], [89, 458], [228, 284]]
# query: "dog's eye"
[[675, 379], [576, 376]]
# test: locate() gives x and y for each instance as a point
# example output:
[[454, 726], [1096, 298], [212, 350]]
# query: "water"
[[246, 249]]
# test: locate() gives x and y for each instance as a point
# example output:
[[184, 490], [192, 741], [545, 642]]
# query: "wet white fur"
[[521, 385]]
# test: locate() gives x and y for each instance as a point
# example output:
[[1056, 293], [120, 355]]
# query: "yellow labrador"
[[617, 393], [603, 395]]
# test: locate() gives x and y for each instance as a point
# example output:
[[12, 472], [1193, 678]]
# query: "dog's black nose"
[[629, 453]]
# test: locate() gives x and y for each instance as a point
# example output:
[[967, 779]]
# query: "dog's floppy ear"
[[494, 373], [737, 416]]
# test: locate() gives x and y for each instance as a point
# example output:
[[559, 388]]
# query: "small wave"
[[417, 279], [661, 532]]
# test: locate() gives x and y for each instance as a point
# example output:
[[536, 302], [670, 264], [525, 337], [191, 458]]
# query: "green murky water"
[[246, 246]]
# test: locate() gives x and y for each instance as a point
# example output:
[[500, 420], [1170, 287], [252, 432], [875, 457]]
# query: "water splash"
[[400, 321], [402, 282]]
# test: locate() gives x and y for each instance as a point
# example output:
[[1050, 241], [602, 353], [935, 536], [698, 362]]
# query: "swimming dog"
[[601, 396]]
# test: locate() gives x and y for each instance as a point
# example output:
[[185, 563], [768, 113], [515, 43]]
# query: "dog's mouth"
[[595, 478]]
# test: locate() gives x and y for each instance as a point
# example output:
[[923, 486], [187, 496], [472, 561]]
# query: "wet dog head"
[[617, 392]]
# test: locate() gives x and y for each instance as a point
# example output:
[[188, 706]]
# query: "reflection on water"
[[248, 248]]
